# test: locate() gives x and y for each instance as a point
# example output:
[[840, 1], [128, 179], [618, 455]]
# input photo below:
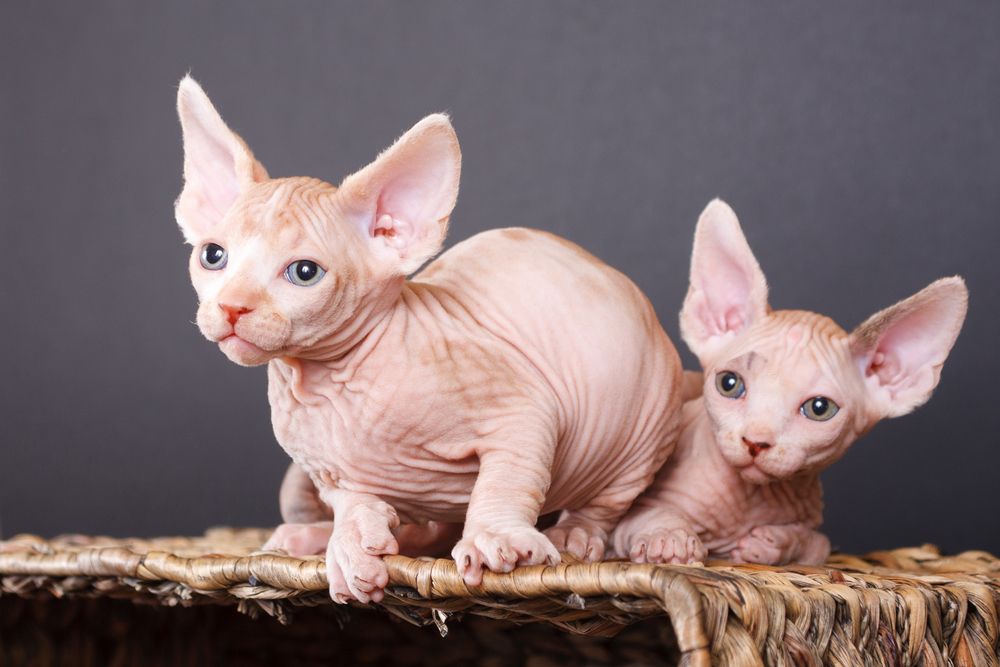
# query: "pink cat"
[[515, 375], [785, 393]]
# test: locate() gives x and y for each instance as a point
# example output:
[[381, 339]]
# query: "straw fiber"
[[902, 607]]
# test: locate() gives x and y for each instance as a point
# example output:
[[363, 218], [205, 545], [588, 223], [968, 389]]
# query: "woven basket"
[[907, 607]]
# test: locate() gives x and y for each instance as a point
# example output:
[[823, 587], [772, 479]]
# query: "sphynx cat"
[[515, 375], [784, 394]]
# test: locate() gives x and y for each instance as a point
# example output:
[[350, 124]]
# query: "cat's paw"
[[815, 550], [354, 556], [300, 539], [672, 545], [584, 539], [501, 551], [429, 539], [355, 575], [766, 545]]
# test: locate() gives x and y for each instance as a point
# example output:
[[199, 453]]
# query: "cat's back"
[[527, 275], [555, 301]]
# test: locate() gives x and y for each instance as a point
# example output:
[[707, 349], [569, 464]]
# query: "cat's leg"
[[657, 533], [307, 519], [500, 533], [309, 524], [362, 534], [415, 540], [778, 545], [299, 499], [584, 532]]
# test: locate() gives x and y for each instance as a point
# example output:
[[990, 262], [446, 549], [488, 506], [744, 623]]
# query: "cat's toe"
[[588, 545], [678, 546], [502, 551]]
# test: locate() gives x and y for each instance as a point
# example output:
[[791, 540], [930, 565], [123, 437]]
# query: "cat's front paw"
[[354, 564], [584, 539], [300, 539], [779, 545], [671, 545], [766, 545], [501, 551]]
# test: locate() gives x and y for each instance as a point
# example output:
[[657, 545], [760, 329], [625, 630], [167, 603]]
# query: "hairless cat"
[[785, 393], [515, 375]]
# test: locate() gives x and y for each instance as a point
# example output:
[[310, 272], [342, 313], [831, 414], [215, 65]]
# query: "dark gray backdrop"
[[858, 143]]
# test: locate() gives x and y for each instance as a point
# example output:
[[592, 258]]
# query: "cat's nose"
[[233, 313], [755, 448]]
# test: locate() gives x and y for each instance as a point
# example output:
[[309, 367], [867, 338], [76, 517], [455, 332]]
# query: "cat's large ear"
[[402, 200], [727, 292], [218, 165], [901, 349]]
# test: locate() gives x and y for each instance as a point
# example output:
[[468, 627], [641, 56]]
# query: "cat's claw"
[[501, 551], [676, 545]]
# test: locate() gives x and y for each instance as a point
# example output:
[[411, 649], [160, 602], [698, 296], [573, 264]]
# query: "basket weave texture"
[[907, 606]]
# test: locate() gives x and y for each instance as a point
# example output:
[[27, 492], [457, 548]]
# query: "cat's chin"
[[242, 352], [754, 475]]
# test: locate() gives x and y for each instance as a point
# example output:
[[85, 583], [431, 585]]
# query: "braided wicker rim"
[[906, 606]]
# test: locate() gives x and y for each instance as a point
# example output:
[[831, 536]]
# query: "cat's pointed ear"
[[218, 165], [728, 291], [900, 350], [402, 200]]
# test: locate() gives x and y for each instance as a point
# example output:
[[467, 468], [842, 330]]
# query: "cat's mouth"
[[235, 339], [753, 474], [241, 351]]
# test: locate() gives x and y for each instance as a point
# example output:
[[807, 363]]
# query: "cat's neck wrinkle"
[[291, 371], [415, 304], [359, 333], [342, 348]]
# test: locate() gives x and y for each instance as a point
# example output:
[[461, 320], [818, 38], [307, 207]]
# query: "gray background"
[[857, 142]]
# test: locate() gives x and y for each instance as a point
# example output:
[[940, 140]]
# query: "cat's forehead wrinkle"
[[287, 210], [289, 200], [748, 361], [805, 350], [802, 327], [821, 361]]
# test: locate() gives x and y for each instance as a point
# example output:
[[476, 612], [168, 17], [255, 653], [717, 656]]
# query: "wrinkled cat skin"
[[743, 482], [515, 375]]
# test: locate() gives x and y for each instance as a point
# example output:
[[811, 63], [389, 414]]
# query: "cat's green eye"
[[304, 273], [819, 408], [730, 384], [214, 257]]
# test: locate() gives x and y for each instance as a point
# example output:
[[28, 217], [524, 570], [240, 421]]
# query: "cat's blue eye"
[[730, 384], [214, 257], [819, 408], [304, 273]]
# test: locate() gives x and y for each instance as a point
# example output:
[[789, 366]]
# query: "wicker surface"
[[907, 606]]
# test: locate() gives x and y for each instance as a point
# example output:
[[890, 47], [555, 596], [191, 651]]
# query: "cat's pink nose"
[[756, 448], [233, 313]]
